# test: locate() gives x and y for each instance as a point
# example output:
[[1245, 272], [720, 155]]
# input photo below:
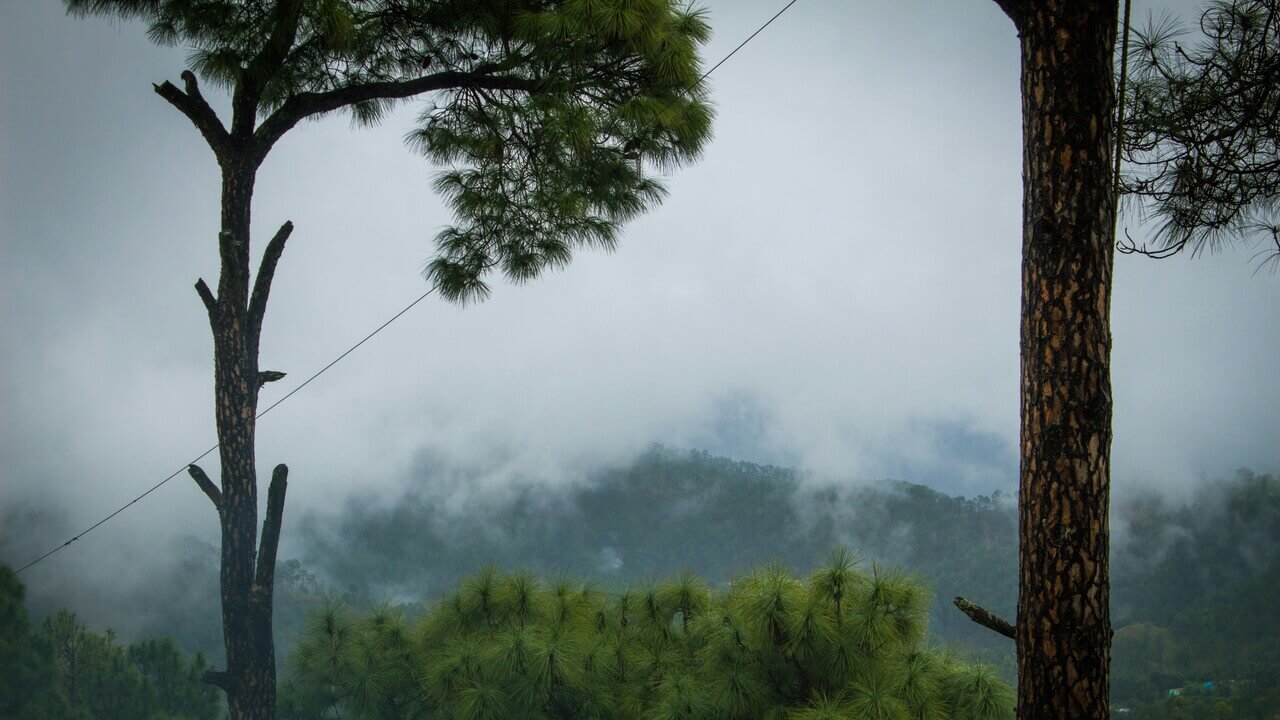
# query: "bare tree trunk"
[[1063, 626], [248, 564], [235, 317]]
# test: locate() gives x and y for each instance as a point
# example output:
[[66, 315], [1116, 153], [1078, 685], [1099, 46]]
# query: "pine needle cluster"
[[842, 644], [1200, 133]]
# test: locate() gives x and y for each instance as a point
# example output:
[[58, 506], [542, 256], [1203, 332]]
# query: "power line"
[[204, 454], [743, 44], [349, 350]]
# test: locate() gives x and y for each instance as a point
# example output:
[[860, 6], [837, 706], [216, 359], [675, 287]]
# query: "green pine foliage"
[[176, 684], [672, 509], [98, 678], [534, 175], [549, 116], [65, 671], [28, 681], [1200, 141], [846, 642]]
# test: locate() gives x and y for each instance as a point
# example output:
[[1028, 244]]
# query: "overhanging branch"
[[304, 105], [193, 105], [985, 618]]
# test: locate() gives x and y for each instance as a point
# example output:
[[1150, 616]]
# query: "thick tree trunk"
[[1063, 626]]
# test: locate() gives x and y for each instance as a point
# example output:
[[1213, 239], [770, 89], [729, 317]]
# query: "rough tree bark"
[[248, 562], [1063, 627], [235, 318]]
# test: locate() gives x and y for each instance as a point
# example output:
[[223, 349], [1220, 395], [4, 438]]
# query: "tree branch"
[[277, 46], [193, 105], [267, 376], [985, 618], [260, 69], [265, 580], [217, 678], [304, 105], [206, 485], [262, 283], [206, 296]]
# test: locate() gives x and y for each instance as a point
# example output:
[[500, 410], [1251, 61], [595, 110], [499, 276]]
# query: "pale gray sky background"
[[835, 285]]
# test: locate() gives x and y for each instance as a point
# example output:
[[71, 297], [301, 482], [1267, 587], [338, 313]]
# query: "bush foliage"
[[846, 642]]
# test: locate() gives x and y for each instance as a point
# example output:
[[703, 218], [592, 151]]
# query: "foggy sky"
[[835, 285]]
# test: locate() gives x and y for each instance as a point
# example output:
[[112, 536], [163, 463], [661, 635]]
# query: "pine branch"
[[262, 283], [217, 678], [304, 105], [265, 580], [985, 618], [193, 105], [268, 61], [207, 485], [206, 296], [284, 32], [269, 376]]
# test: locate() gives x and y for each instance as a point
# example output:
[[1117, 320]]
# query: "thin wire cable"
[[744, 42], [204, 454], [349, 350]]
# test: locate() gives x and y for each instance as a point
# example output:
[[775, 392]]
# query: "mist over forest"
[[737, 325], [1193, 589]]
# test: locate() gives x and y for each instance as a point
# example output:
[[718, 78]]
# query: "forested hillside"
[[1197, 600], [1195, 582]]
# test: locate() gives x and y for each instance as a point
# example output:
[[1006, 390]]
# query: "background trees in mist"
[[28, 682], [1194, 575], [66, 671]]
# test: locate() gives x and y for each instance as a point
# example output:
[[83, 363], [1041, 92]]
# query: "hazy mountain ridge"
[[1194, 589], [1203, 573], [668, 511]]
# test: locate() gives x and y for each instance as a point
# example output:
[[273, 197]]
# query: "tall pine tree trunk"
[[1064, 626], [248, 562]]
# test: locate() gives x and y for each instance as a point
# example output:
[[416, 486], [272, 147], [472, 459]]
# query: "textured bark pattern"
[[1064, 627], [249, 680], [236, 321]]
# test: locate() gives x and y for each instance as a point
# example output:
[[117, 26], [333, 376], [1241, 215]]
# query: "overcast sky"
[[835, 285]]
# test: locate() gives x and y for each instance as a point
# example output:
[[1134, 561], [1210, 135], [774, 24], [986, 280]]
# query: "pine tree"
[[1063, 628], [547, 113], [28, 678]]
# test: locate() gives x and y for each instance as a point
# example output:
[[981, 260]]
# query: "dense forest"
[[1197, 630]]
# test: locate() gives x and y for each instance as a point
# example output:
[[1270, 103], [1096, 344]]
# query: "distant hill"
[[672, 510], [1195, 584], [1201, 578]]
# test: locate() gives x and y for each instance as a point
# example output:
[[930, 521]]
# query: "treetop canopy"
[[546, 113]]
